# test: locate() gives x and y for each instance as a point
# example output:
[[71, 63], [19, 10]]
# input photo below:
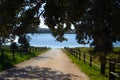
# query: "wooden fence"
[[83, 56], [20, 51], [114, 69], [114, 64]]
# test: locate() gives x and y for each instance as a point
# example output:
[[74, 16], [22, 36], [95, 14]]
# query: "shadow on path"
[[34, 73], [41, 58]]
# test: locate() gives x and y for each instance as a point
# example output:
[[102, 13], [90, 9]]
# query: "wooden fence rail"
[[83, 56], [114, 69], [21, 51], [114, 64]]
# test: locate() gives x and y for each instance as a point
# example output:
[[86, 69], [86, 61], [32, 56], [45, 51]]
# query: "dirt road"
[[52, 65]]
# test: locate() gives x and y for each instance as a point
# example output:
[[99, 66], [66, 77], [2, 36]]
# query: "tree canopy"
[[92, 19], [17, 17]]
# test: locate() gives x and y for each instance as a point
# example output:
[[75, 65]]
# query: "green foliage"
[[24, 41], [64, 14], [18, 17], [92, 19], [14, 45]]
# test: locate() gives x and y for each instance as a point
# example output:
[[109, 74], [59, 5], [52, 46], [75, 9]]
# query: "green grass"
[[10, 62], [92, 72], [114, 54]]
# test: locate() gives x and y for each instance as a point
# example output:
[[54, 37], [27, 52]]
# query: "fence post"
[[111, 69], [13, 54], [90, 60], [79, 55], [2, 56], [33, 49], [75, 53], [71, 52], [21, 52], [84, 57], [37, 49]]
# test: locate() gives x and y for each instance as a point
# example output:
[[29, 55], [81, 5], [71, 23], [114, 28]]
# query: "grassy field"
[[9, 61], [114, 54], [93, 72]]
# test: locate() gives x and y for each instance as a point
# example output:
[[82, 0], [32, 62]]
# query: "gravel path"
[[52, 65]]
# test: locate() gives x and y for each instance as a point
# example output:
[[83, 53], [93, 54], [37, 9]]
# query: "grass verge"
[[92, 72], [10, 62]]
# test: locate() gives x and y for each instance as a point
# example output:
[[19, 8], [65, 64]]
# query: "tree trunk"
[[103, 64]]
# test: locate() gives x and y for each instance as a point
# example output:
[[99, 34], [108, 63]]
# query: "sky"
[[42, 25]]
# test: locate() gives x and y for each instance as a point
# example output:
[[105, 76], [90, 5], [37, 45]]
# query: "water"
[[47, 40]]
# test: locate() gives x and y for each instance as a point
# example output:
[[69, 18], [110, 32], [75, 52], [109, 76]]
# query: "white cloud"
[[42, 25]]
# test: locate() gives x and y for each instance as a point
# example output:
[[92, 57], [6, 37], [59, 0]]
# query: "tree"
[[101, 23], [8, 9], [24, 41], [14, 45], [18, 17], [92, 19], [64, 14]]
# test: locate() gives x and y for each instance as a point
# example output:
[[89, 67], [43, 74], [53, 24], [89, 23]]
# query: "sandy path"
[[52, 65]]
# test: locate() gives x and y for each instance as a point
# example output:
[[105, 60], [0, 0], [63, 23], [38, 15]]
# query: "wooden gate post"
[[13, 54], [111, 69], [90, 60], [79, 55], [76, 54], [84, 57], [103, 64], [2, 56]]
